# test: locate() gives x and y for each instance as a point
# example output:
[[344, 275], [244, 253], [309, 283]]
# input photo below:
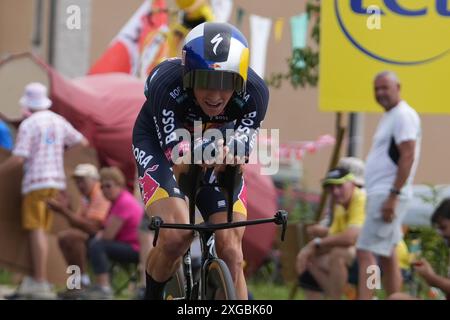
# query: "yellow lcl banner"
[[360, 38]]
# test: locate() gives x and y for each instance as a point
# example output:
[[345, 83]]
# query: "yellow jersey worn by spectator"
[[351, 217], [329, 258], [347, 215], [194, 12]]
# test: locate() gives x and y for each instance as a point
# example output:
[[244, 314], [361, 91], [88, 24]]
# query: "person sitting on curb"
[[119, 240], [441, 219], [84, 224], [328, 258]]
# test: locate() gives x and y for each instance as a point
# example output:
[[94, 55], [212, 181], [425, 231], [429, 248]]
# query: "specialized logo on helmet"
[[411, 32], [216, 41], [215, 46], [147, 184]]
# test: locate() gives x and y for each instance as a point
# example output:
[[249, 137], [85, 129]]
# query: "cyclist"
[[211, 87]]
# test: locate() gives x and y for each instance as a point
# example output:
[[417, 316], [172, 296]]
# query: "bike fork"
[[187, 268], [208, 253]]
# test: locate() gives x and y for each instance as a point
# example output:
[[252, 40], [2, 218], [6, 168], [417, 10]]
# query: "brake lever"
[[281, 217], [155, 225]]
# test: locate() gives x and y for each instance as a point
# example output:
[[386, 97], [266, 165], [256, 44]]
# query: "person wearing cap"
[[192, 13], [40, 145], [328, 258], [85, 223]]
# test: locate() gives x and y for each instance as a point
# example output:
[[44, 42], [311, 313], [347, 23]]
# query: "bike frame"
[[206, 230]]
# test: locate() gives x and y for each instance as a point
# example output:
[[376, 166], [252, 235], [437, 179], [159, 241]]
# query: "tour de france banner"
[[360, 38]]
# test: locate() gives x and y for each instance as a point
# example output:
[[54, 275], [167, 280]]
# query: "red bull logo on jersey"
[[147, 184], [243, 194]]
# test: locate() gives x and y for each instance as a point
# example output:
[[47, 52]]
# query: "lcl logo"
[[441, 7], [413, 35]]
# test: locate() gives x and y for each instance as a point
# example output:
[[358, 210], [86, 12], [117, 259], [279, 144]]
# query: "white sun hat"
[[84, 170], [35, 97]]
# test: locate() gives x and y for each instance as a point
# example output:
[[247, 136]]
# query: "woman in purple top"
[[118, 240]]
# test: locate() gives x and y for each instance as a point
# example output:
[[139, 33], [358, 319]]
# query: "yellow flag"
[[279, 23]]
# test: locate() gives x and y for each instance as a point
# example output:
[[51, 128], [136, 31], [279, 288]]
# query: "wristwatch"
[[317, 241], [395, 191]]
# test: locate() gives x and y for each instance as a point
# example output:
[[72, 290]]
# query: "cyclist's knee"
[[174, 243], [231, 253]]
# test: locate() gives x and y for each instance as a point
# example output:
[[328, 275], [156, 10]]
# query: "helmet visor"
[[213, 80]]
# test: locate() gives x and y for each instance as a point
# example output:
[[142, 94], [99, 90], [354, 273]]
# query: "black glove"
[[237, 147], [212, 150]]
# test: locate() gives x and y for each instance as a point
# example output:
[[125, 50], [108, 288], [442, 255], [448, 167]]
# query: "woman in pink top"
[[118, 240]]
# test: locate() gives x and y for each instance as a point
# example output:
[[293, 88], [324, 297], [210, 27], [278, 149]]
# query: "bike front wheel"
[[175, 288], [218, 284]]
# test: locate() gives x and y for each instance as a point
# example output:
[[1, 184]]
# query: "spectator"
[[6, 140], [40, 149], [118, 240], [441, 219], [192, 13], [84, 224], [390, 169], [328, 257]]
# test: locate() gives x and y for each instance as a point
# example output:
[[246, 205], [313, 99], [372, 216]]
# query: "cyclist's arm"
[[257, 99], [159, 109], [169, 130]]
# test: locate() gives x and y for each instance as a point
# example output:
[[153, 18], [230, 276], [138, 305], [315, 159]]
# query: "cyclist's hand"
[[208, 153], [230, 159], [220, 153], [235, 152]]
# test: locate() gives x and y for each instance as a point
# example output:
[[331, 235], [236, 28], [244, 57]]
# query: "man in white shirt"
[[41, 140], [390, 168]]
